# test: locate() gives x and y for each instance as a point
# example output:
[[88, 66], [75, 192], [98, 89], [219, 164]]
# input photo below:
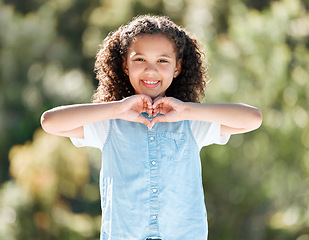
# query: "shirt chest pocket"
[[174, 147]]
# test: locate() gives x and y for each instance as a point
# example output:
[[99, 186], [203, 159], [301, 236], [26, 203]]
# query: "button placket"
[[154, 172]]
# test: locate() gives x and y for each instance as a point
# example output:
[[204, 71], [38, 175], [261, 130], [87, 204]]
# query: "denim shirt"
[[150, 183]]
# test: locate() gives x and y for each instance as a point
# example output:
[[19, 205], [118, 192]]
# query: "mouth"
[[150, 83]]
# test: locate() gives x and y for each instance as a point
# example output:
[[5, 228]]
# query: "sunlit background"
[[256, 187]]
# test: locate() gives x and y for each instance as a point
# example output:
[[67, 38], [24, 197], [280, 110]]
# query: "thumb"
[[143, 120], [158, 119]]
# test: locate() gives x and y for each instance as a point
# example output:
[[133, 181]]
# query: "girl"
[[148, 123]]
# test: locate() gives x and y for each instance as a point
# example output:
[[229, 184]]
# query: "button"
[[154, 190], [153, 162], [151, 138], [154, 217]]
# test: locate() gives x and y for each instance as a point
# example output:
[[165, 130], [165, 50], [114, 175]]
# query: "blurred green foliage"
[[256, 187]]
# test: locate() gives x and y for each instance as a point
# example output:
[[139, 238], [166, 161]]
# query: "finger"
[[162, 108], [161, 118], [147, 100], [148, 105], [157, 109], [142, 103], [145, 107], [143, 120], [158, 101], [150, 111]]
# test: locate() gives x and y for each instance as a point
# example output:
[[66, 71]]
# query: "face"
[[151, 64]]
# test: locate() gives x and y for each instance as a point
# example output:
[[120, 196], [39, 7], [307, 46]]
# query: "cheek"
[[135, 69], [168, 71]]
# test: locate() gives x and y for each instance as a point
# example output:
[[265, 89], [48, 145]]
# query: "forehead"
[[156, 42]]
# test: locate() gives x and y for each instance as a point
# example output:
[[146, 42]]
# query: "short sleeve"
[[95, 135], [207, 133]]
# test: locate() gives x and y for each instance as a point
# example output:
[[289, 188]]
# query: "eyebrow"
[[140, 54]]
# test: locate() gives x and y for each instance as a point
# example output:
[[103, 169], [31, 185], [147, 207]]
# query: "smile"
[[150, 82]]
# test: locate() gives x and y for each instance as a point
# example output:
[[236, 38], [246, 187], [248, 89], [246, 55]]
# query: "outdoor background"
[[256, 187]]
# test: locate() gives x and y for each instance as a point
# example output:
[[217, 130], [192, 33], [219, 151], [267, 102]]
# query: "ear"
[[178, 68], [124, 65]]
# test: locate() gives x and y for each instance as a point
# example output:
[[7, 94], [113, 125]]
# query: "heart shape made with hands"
[[162, 109]]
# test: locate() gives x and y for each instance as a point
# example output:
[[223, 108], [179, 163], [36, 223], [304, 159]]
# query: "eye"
[[139, 60], [163, 61]]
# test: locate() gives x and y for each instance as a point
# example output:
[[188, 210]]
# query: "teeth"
[[151, 82]]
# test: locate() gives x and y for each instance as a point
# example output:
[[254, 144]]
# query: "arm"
[[234, 118], [69, 120]]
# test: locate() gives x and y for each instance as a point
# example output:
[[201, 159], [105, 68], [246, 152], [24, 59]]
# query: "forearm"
[[229, 114], [70, 117]]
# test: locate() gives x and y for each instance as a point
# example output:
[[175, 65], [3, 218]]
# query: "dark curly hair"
[[114, 84]]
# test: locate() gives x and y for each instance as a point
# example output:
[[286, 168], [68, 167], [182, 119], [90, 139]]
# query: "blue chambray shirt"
[[150, 181]]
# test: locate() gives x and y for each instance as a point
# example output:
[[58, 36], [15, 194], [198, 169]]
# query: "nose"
[[150, 68]]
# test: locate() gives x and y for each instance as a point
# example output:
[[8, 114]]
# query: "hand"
[[133, 106], [172, 109]]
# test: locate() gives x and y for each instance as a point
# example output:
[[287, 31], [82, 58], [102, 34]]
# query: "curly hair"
[[114, 84]]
